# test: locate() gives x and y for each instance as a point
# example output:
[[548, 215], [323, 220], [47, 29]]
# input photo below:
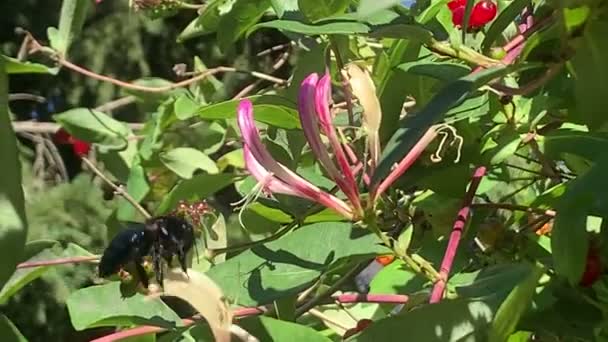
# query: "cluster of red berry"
[[483, 12], [80, 148], [593, 267], [193, 210]]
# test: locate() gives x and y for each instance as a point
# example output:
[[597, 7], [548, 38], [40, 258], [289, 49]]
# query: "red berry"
[[483, 12], [452, 5], [62, 137], [593, 268], [458, 16], [81, 148]]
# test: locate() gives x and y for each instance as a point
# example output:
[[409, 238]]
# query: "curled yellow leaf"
[[205, 297], [364, 89]]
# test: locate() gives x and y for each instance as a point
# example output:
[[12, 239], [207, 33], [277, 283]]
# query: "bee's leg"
[[181, 256], [158, 265], [141, 273]]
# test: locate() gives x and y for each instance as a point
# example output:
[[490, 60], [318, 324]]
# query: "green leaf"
[[24, 276], [15, 66], [244, 14], [581, 143], [514, 307], [309, 60], [396, 278], [103, 306], [185, 107], [369, 7], [282, 6], [138, 187], [449, 320], [319, 9], [403, 31], [590, 84], [73, 15], [569, 238], [269, 329], [507, 145], [272, 214], [575, 17], [416, 124], [184, 161], [206, 23], [199, 186], [505, 18], [9, 331], [233, 158], [394, 85], [270, 109], [493, 280], [95, 127], [13, 225], [288, 265], [316, 29]]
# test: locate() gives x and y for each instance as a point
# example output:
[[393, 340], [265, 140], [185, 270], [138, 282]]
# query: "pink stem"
[[405, 163], [372, 298], [253, 311], [458, 227]]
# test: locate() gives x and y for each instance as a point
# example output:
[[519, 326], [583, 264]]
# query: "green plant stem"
[[418, 264], [212, 253], [327, 293], [462, 52], [118, 189]]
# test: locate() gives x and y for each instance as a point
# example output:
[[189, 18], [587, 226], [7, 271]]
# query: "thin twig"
[[212, 253], [454, 241], [115, 104], [463, 53], [508, 206], [51, 127], [35, 46], [275, 48], [532, 85], [118, 189], [323, 317], [181, 84], [26, 97], [326, 294], [59, 261], [276, 66], [56, 157], [242, 334]]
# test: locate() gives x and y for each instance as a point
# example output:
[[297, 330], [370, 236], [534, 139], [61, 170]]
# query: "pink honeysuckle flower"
[[274, 176], [313, 105], [322, 97], [315, 117]]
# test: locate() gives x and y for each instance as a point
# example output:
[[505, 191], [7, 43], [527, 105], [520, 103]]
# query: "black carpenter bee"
[[160, 238]]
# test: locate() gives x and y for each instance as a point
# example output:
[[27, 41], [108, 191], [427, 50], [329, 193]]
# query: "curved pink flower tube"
[[275, 176]]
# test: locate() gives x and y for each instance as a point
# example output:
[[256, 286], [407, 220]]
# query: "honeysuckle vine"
[[317, 121]]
